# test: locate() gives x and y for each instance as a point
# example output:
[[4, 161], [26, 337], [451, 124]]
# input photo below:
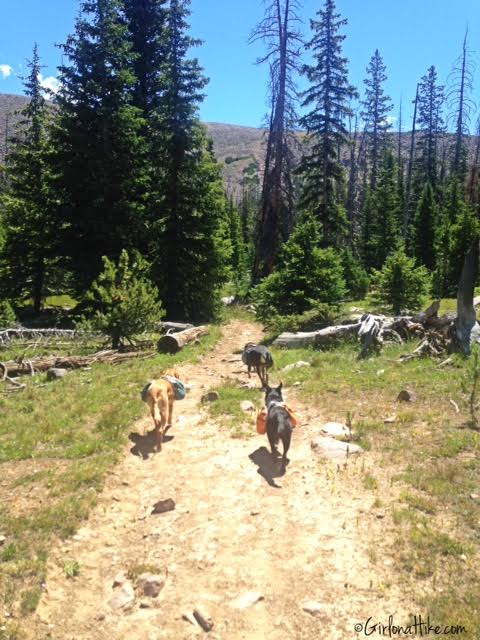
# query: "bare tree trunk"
[[276, 218], [352, 187], [406, 207], [466, 327]]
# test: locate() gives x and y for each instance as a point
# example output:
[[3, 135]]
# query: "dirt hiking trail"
[[303, 537]]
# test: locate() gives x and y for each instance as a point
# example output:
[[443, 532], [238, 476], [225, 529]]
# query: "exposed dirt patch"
[[237, 527]]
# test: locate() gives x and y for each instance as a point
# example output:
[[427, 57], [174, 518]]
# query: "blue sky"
[[410, 34]]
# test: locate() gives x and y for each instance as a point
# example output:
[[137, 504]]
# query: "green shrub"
[[306, 275], [401, 284], [123, 302], [356, 278], [7, 315]]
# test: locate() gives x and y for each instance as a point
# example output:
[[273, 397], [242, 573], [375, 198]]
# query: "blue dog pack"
[[178, 387]]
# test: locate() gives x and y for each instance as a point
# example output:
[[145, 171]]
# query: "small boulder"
[[56, 373], [247, 406], [296, 365], [3, 539], [119, 580], [406, 396], [122, 597], [162, 506], [312, 607], [334, 449], [151, 584], [336, 430], [246, 600], [203, 619], [211, 396]]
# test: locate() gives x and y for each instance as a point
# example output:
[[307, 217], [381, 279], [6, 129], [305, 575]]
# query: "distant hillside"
[[9, 106], [241, 150]]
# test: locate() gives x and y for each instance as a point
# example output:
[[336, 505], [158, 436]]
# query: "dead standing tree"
[[461, 106], [278, 30], [466, 330]]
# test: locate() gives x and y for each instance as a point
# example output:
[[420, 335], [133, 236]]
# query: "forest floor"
[[316, 538]]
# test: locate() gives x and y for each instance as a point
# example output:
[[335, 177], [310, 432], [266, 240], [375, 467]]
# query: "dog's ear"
[[266, 388], [280, 386]]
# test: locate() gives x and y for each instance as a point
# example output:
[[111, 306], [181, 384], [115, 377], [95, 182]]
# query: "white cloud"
[[5, 70], [391, 119], [50, 83]]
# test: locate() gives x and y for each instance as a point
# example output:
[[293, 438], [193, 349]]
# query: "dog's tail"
[[144, 393]]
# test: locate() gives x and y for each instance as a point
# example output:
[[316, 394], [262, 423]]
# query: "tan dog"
[[160, 395]]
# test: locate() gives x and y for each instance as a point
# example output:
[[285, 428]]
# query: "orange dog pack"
[[262, 419]]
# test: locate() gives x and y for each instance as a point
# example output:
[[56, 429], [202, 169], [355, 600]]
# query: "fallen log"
[[44, 363], [431, 312], [6, 335], [174, 327], [174, 342], [323, 337]]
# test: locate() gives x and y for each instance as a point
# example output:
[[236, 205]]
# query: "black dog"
[[279, 422], [258, 357]]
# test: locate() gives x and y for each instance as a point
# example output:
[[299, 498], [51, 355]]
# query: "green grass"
[[63, 301], [429, 456], [447, 305], [71, 432], [227, 408]]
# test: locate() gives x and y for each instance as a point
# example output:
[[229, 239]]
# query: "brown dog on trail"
[[160, 396]]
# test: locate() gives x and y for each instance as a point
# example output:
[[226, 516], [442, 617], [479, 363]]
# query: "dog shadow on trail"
[[144, 446], [267, 467]]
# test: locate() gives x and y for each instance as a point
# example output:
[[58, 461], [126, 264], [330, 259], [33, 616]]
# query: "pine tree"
[[401, 283], [376, 107], [328, 99], [100, 150], [430, 102], [190, 240], [122, 301], [239, 257], [146, 20], [29, 246], [306, 274], [425, 228], [385, 215], [368, 229], [457, 231]]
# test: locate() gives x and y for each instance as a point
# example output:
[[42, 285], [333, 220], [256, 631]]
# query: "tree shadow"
[[268, 468], [144, 446]]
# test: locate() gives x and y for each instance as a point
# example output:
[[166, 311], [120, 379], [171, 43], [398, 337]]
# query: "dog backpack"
[[245, 354], [261, 421], [178, 387]]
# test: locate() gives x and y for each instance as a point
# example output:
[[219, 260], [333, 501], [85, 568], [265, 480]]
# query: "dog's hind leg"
[[286, 439], [160, 422], [170, 415], [273, 448]]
